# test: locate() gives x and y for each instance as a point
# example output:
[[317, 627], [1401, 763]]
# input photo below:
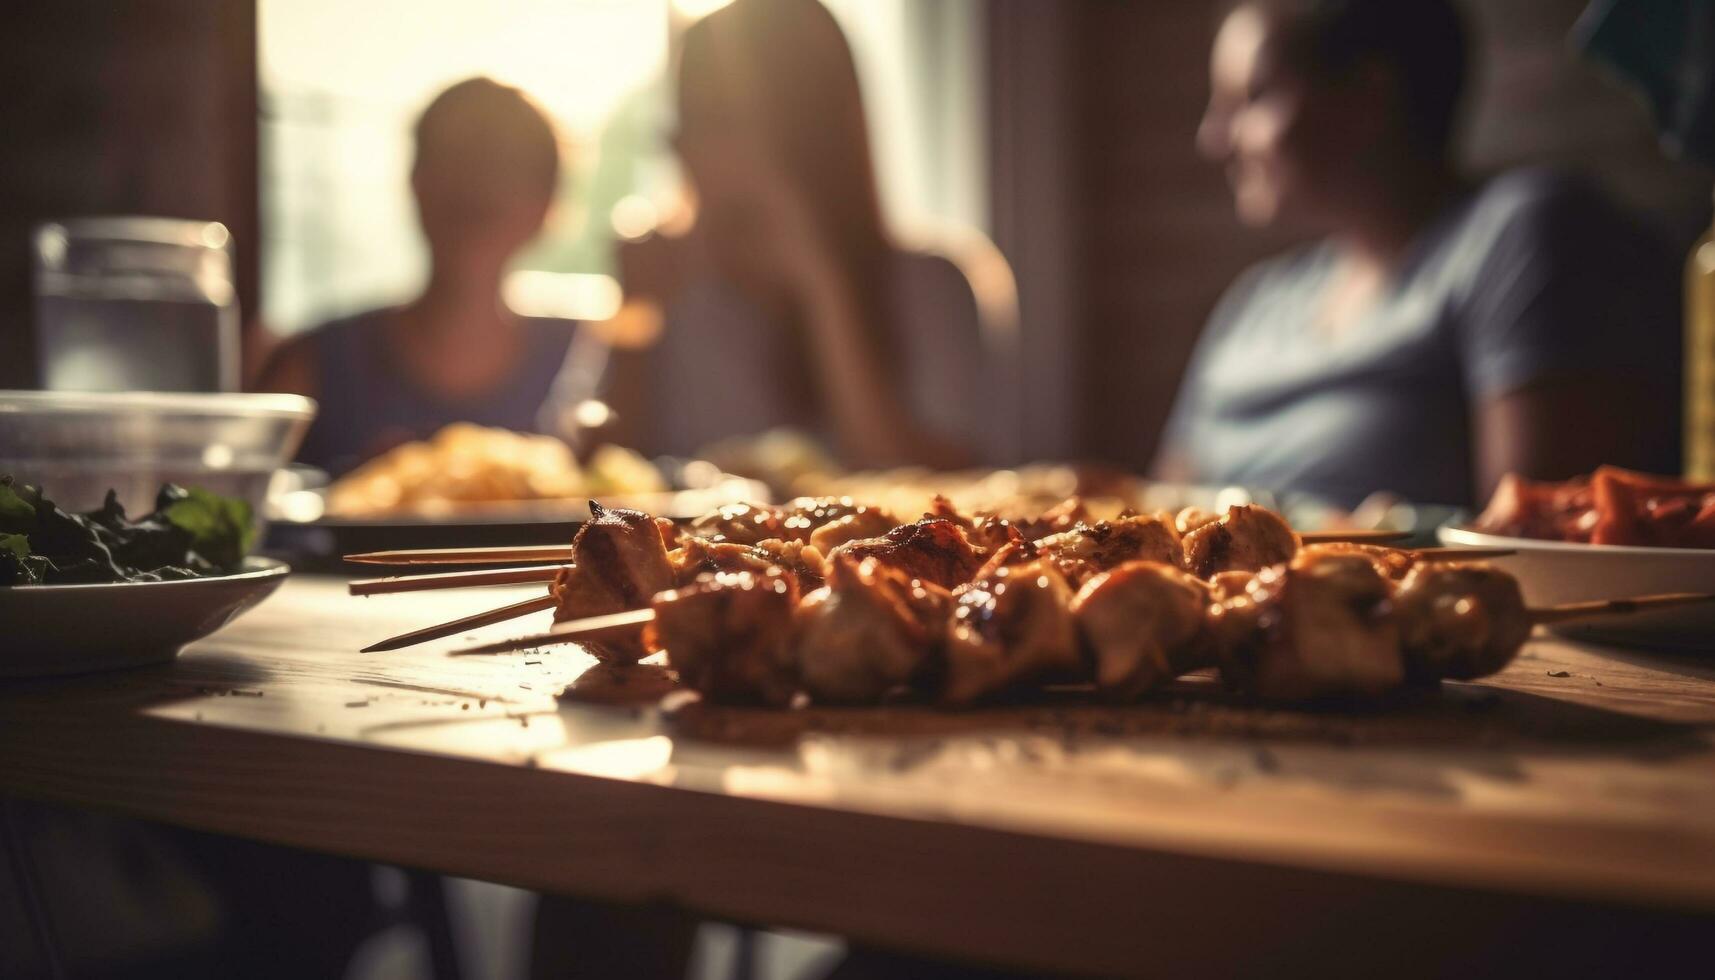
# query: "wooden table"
[[1177, 837]]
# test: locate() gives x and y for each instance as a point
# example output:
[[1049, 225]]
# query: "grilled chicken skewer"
[[1326, 625], [621, 558]]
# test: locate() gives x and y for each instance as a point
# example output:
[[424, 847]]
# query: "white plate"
[[1560, 571], [73, 629]]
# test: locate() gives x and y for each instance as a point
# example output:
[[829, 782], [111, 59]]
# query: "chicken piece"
[[738, 524], [867, 523], [1459, 620], [1063, 516], [870, 630], [933, 549], [1247, 538], [729, 636], [1011, 626], [623, 552], [1089, 549], [1393, 563], [799, 558], [698, 556], [1320, 627], [800, 517], [1191, 518], [986, 531], [1143, 624], [578, 595], [620, 562], [1228, 585]]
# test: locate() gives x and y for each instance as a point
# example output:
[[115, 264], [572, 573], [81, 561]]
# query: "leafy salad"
[[191, 533]]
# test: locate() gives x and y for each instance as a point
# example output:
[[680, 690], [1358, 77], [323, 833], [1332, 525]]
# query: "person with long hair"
[[788, 301], [1440, 331]]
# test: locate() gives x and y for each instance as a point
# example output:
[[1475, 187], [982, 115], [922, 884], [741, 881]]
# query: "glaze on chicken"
[[867, 523], [1011, 625], [1089, 549], [869, 631], [1247, 538], [738, 524], [1064, 516], [729, 636], [801, 559], [933, 549], [1229, 585], [986, 532], [1143, 623], [1192, 518], [1459, 621], [801, 517], [698, 556], [620, 562], [1321, 627]]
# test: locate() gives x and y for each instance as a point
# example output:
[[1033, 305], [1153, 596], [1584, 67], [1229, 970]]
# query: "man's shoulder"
[[1534, 205]]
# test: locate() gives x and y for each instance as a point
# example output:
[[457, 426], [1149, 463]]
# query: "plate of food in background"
[[98, 590], [1614, 532], [470, 485], [793, 464]]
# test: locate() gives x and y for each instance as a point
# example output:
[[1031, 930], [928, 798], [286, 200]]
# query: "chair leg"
[[23, 873], [429, 908], [744, 955]]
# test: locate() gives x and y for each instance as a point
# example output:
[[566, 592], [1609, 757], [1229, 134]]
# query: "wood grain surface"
[[1056, 835]]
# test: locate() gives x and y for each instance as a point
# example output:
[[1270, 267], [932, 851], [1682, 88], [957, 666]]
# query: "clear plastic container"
[[77, 445], [136, 304]]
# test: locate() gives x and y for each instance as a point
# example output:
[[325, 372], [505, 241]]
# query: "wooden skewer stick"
[[428, 633], [1359, 535], [569, 632], [520, 575], [465, 556], [1568, 611]]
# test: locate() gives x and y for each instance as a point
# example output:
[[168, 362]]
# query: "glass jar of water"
[[136, 304]]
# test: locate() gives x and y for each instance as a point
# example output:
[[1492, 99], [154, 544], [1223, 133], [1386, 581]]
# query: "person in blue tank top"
[[1442, 331], [486, 169]]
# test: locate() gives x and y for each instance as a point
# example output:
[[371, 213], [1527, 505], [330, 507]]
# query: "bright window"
[[343, 82]]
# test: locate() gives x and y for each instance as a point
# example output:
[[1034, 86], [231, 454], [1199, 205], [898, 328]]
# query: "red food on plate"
[[1639, 509], [1612, 506], [1524, 508]]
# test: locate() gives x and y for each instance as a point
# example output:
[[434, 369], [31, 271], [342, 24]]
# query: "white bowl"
[[1552, 572], [74, 629], [76, 445]]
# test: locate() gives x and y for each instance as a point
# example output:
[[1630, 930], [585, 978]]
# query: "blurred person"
[[1441, 332], [486, 168], [788, 301]]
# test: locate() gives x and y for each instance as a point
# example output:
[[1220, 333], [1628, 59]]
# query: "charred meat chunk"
[[729, 636]]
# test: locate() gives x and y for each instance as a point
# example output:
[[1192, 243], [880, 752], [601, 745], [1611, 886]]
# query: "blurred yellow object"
[[468, 464], [1700, 359]]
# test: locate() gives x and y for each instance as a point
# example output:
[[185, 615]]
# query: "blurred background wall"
[[1061, 128], [122, 108]]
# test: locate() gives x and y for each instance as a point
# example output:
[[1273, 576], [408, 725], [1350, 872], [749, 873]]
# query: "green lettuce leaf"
[[17, 515], [17, 565], [17, 544], [221, 528]]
